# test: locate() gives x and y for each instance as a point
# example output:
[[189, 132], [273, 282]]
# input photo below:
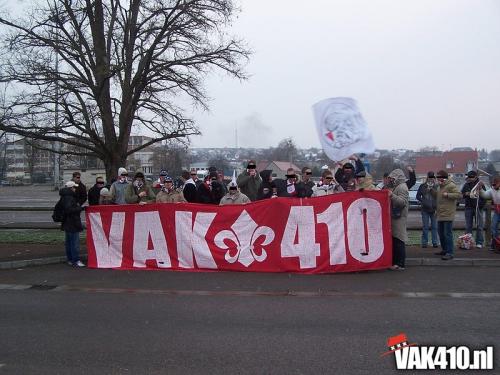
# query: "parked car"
[[413, 195]]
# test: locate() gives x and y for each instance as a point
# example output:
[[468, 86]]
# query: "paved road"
[[58, 320]]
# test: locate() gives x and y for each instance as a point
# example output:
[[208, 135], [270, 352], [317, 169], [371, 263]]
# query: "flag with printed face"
[[341, 128]]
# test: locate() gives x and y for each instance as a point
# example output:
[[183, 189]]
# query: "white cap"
[[121, 171], [104, 191], [71, 184]]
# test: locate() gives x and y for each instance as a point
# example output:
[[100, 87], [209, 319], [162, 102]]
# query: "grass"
[[39, 236], [42, 236]]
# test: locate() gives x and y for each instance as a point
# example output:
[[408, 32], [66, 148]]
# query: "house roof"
[[450, 161], [284, 165]]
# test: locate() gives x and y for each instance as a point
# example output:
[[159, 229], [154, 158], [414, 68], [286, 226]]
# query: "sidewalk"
[[25, 255]]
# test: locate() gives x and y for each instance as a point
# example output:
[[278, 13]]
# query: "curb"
[[455, 262], [419, 262], [9, 265]]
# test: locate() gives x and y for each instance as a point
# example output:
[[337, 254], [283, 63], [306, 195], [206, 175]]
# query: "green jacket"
[[249, 185], [132, 194], [446, 206]]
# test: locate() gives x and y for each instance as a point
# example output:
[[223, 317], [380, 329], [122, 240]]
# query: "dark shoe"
[[424, 246], [447, 257], [441, 253], [435, 246]]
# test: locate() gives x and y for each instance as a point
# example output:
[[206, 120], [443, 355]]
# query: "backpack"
[[58, 212]]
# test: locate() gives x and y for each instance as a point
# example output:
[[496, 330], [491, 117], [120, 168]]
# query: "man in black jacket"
[[81, 189], [95, 191], [72, 223]]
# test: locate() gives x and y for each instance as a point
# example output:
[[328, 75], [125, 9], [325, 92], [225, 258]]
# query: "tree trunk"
[[112, 164]]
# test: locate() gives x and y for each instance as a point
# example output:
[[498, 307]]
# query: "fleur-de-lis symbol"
[[244, 234]]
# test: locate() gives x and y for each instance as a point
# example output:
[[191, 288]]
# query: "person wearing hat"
[[399, 197], [249, 181], [71, 223], [211, 191], [118, 187], [446, 195], [105, 197], [234, 196], [474, 205], [139, 191], [364, 181], [428, 210], [168, 194], [159, 183], [345, 175]]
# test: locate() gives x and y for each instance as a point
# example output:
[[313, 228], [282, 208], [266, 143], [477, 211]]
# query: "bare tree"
[[85, 73]]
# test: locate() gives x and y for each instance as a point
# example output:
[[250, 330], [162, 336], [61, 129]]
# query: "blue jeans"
[[429, 218], [470, 214], [72, 246], [445, 230]]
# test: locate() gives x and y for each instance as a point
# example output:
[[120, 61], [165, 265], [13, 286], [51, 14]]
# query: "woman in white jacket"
[[494, 194]]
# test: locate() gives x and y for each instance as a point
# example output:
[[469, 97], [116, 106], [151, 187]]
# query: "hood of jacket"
[[398, 175]]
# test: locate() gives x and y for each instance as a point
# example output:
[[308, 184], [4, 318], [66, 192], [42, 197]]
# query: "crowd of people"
[[438, 196]]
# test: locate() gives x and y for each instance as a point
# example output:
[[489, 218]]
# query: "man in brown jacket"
[[446, 195]]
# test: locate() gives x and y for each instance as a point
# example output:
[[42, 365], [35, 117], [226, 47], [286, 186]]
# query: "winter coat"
[[492, 194], [173, 196], [399, 205], [81, 193], [471, 202], [306, 187], [283, 189], [117, 191], [347, 180], [426, 197], [94, 195], [190, 191], [446, 206], [212, 194], [237, 198], [366, 183], [249, 185], [71, 222], [321, 190], [132, 194]]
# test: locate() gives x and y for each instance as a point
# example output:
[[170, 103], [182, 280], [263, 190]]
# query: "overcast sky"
[[424, 72]]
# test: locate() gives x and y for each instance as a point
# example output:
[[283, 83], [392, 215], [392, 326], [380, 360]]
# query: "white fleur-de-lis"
[[244, 234]]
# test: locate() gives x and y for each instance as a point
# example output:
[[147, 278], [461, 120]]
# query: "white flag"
[[341, 129]]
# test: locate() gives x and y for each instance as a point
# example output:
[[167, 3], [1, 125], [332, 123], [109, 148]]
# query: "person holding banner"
[[398, 192], [168, 194], [327, 186], [139, 191], [234, 196]]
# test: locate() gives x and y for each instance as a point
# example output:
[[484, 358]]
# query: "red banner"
[[336, 233]]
